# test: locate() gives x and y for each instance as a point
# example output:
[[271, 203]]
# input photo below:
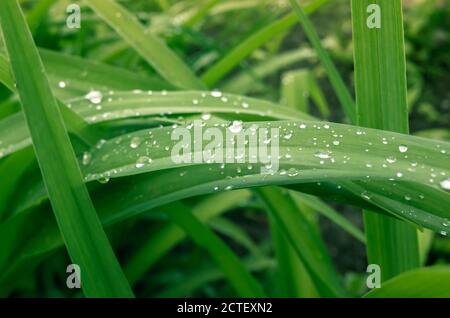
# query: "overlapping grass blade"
[[380, 78], [152, 49], [87, 244]]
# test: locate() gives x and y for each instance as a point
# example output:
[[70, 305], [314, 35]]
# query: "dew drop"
[[445, 184], [391, 159], [142, 161], [206, 117], [86, 158], [322, 155], [100, 143], [95, 97], [135, 142], [216, 94], [62, 84], [403, 148], [103, 180], [235, 127]]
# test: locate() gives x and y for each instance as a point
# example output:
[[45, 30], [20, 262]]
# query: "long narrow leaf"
[[86, 242], [153, 50], [380, 77]]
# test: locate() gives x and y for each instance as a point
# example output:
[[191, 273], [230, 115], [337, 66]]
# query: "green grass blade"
[[38, 13], [305, 239], [203, 277], [293, 278], [72, 76], [299, 87], [247, 81], [124, 105], [321, 207], [225, 258], [380, 78], [161, 242], [152, 49], [249, 45], [232, 230], [75, 124], [338, 84], [202, 11], [12, 169], [430, 282], [5, 73], [86, 242]]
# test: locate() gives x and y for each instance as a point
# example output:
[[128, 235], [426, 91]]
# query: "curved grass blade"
[[124, 105], [155, 52], [123, 198], [86, 242]]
